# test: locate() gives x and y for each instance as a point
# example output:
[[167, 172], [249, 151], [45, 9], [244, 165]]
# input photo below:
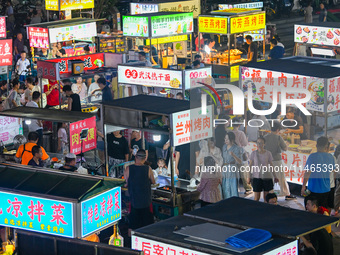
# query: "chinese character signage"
[[52, 5], [6, 52], [90, 142], [36, 214], [193, 6], [136, 26], [214, 25], [169, 39], [262, 82], [247, 23], [91, 61], [197, 75], [163, 78], [155, 247], [252, 5], [174, 24], [48, 70], [101, 211], [141, 8], [38, 37], [192, 125], [75, 32], [317, 35], [234, 11], [3, 30], [288, 249], [9, 128], [333, 94]]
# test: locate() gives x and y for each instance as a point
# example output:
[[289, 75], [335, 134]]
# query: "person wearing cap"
[[70, 163], [139, 178], [137, 143]]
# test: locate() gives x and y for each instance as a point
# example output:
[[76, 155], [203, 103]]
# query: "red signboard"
[[90, 142], [91, 61], [6, 52], [38, 37], [3, 27], [48, 70]]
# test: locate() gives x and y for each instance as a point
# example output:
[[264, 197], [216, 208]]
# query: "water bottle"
[[21, 130]]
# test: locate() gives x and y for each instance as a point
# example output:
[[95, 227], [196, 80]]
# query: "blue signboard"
[[100, 211], [36, 214]]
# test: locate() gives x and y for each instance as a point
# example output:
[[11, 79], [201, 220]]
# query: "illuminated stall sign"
[[163, 78], [79, 32], [9, 128], [6, 50], [48, 70], [191, 125], [135, 26], [36, 214], [253, 5], [53, 5], [38, 37], [142, 8], [247, 23], [333, 94], [196, 75], [101, 211], [3, 29], [169, 39], [326, 36], [262, 82], [173, 24], [214, 25], [90, 142]]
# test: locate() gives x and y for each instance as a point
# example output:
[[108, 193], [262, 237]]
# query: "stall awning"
[[313, 67], [64, 23], [52, 184], [46, 114], [152, 104]]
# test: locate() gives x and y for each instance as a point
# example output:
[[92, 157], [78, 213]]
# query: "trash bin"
[[47, 141]]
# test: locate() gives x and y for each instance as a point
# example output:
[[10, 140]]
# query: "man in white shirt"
[[23, 65], [30, 88], [36, 125]]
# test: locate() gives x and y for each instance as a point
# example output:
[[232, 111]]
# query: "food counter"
[[111, 43], [228, 24], [321, 79]]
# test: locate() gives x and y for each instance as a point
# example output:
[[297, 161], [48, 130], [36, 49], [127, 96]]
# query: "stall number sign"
[[150, 77], [193, 6], [140, 8], [192, 77], [254, 5], [149, 246], [36, 214], [9, 128], [75, 32], [191, 125], [38, 37], [6, 50], [53, 5], [101, 211], [327, 36], [333, 92], [247, 23], [92, 61], [213, 25], [3, 30], [262, 82], [90, 142], [169, 39], [173, 24], [136, 26]]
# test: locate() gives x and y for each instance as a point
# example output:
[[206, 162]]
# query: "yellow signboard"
[[52, 5], [169, 39], [236, 10], [193, 6], [213, 25], [234, 73], [247, 23]]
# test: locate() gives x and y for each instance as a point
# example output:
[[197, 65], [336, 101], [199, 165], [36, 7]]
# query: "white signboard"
[[333, 94], [141, 8], [76, 32], [262, 82], [155, 247], [254, 5], [9, 128], [317, 35], [146, 76], [192, 125], [197, 75], [180, 49]]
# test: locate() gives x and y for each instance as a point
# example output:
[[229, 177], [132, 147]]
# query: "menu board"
[[247, 23], [38, 37], [262, 82], [135, 26], [317, 35], [52, 5], [174, 24], [75, 32]]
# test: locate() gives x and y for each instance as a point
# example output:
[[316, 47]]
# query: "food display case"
[[111, 43], [320, 77], [228, 24]]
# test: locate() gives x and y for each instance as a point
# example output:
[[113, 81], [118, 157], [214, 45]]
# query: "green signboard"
[[172, 24], [135, 26]]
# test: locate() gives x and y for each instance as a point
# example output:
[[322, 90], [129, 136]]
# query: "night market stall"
[[227, 25], [168, 120], [67, 6], [168, 32], [318, 76], [56, 205]]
